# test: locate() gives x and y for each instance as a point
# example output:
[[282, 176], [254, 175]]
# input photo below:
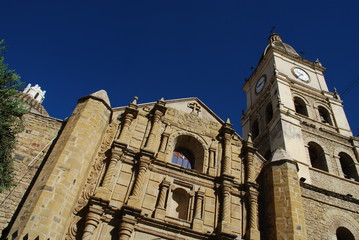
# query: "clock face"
[[301, 74], [260, 84]]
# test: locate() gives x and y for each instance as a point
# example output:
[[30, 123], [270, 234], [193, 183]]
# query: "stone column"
[[104, 191], [253, 232], [211, 162], [158, 111], [226, 210], [164, 142], [160, 211], [126, 227], [130, 114], [198, 213], [162, 152], [116, 154], [250, 150], [92, 221], [144, 162], [227, 132]]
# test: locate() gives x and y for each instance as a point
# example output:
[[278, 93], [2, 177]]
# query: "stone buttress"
[[53, 195]]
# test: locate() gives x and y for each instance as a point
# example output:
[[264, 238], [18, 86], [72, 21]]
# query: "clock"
[[301, 74], [260, 84]]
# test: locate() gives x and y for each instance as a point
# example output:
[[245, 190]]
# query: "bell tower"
[[289, 106]]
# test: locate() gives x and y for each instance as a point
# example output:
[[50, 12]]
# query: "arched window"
[[188, 153], [344, 234], [255, 129], [300, 106], [180, 204], [348, 166], [269, 112], [183, 158], [324, 115], [317, 157]]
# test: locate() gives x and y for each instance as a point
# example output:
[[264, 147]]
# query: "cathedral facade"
[[172, 169]]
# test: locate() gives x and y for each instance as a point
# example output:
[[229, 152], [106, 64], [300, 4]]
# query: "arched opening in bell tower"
[[348, 166], [300, 106], [324, 115], [344, 234], [317, 156]]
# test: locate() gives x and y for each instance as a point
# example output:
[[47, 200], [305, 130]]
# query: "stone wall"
[[325, 211], [32, 146], [334, 183]]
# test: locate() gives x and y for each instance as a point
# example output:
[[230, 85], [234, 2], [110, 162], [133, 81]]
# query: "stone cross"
[[195, 108]]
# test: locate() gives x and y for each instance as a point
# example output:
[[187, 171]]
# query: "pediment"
[[192, 106], [195, 107]]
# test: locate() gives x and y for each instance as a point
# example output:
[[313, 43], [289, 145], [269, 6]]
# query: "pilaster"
[[104, 190], [227, 133], [198, 213], [130, 114], [158, 111], [160, 211], [143, 164]]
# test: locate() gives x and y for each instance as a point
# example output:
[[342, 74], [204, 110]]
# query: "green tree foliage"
[[11, 110]]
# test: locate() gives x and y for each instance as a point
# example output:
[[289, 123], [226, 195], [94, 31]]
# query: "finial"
[[227, 125], [133, 104], [161, 102], [135, 98], [318, 62], [336, 95]]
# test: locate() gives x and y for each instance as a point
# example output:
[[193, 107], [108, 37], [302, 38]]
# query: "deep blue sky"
[[173, 49]]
